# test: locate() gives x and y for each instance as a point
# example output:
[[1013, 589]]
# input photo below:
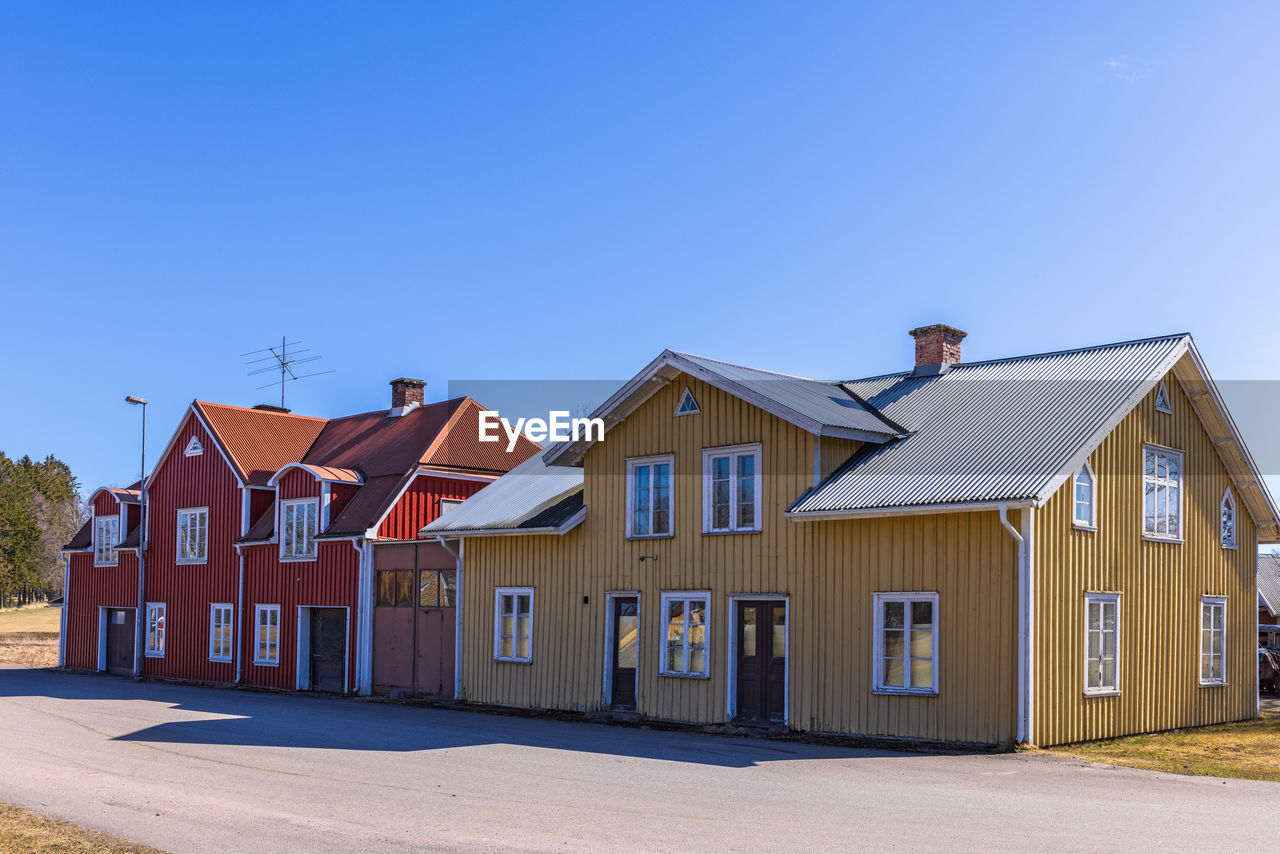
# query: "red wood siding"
[[298, 484], [330, 581], [93, 587], [339, 495], [420, 504], [188, 589], [105, 504]]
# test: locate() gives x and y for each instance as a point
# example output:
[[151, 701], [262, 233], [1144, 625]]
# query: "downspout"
[[364, 616], [239, 640], [66, 603], [1023, 680], [457, 615]]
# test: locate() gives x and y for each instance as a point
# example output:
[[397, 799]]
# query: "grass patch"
[[29, 636], [22, 831], [1248, 750]]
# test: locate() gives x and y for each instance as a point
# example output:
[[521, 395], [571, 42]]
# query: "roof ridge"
[[385, 411], [260, 411], [760, 370], [1043, 355]]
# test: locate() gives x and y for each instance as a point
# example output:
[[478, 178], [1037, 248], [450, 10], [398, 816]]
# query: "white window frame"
[[194, 448], [687, 395], [156, 618], [214, 609], [1211, 602], [499, 613], [1228, 500], [640, 462], [879, 600], [1162, 394], [258, 611], [185, 514], [1091, 522], [685, 596], [1101, 599], [112, 553], [1166, 483], [733, 452], [285, 547], [447, 504]]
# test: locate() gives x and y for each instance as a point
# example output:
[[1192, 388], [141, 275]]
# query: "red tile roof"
[[257, 441]]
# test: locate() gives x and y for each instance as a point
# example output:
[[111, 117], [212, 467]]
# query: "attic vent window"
[[1162, 399], [688, 406], [194, 448]]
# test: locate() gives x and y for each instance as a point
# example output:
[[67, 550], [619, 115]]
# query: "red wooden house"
[[259, 541]]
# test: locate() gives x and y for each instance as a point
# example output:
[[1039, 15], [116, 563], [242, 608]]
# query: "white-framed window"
[[447, 504], [1084, 499], [684, 643], [906, 643], [1161, 493], [1102, 643], [687, 405], [1162, 399], [194, 448], [513, 624], [649, 496], [299, 524], [106, 535], [221, 631], [266, 648], [155, 630], [1228, 527], [1213, 640], [731, 489], [193, 535]]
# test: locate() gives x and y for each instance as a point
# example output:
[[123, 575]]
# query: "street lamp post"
[[139, 623]]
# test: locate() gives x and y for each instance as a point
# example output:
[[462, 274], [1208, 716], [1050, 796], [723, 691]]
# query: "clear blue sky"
[[539, 190]]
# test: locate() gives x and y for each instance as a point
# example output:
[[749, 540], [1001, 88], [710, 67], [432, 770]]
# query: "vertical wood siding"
[[828, 569], [420, 504], [298, 483], [188, 589], [93, 587], [1160, 586], [330, 581]]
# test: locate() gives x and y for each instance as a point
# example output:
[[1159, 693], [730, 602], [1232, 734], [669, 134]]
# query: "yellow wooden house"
[[1040, 549]]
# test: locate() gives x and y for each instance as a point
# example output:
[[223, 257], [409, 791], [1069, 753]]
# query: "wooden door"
[[120, 628], [626, 652], [437, 630], [762, 661], [328, 649]]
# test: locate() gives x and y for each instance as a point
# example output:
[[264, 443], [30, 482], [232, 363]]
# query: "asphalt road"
[[199, 769]]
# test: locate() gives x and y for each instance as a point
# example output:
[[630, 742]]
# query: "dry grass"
[[29, 636], [1248, 750], [22, 832]]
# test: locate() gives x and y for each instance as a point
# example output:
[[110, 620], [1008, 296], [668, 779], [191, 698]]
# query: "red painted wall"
[[93, 587], [188, 589], [298, 484], [330, 581], [420, 504]]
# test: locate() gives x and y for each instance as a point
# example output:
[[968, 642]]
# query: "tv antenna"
[[283, 358]]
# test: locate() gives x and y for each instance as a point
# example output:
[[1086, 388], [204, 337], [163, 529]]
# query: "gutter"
[[917, 510], [1026, 619], [239, 638], [567, 526], [66, 603]]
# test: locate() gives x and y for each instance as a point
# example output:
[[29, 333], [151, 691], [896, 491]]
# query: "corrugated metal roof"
[[516, 498], [258, 442], [826, 402], [987, 431], [1269, 583]]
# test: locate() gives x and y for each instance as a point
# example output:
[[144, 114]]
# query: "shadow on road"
[[228, 717]]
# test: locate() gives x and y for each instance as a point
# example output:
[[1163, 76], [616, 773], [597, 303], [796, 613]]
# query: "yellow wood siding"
[[1160, 585], [829, 570]]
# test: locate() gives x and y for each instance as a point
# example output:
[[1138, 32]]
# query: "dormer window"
[[1228, 515], [194, 448], [299, 524], [1162, 399], [1085, 498], [106, 535]]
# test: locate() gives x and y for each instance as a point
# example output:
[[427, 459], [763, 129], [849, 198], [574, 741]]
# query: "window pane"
[[1149, 509], [921, 615], [522, 647], [404, 587], [628, 632], [1108, 673], [523, 602], [675, 658], [1109, 643], [1094, 673], [505, 650], [522, 627], [1095, 644], [893, 673], [893, 615], [508, 626], [449, 582], [893, 643], [720, 468], [749, 631], [386, 588], [921, 673], [697, 660], [922, 644], [1218, 612], [1206, 617], [428, 588], [779, 632], [508, 605]]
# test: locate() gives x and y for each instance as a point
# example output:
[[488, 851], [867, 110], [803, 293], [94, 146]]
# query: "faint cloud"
[[1128, 69]]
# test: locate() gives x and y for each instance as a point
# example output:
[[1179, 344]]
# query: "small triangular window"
[[688, 406], [194, 448], [1162, 399]]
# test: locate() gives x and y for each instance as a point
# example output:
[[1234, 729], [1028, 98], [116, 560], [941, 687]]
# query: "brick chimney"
[[937, 346], [406, 395]]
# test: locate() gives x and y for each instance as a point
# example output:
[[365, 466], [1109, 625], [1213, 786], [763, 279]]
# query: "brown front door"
[[626, 650], [762, 661], [328, 649], [120, 641]]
